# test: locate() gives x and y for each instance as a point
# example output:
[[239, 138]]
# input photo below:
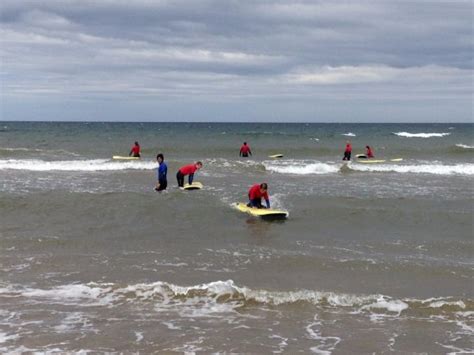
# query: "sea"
[[373, 258]]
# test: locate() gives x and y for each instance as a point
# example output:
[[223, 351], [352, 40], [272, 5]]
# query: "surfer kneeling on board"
[[256, 193], [135, 151], [348, 151], [161, 171], [187, 170], [368, 152], [245, 150]]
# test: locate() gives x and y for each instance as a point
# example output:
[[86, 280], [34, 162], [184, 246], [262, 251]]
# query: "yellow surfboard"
[[194, 186], [261, 212], [371, 161], [274, 156], [375, 161], [119, 157]]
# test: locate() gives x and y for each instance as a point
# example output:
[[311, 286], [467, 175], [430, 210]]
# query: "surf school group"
[[256, 193]]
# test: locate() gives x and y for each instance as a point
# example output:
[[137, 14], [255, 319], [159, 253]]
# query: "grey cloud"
[[237, 50]]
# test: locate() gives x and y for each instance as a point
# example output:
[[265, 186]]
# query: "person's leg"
[[180, 178], [163, 184]]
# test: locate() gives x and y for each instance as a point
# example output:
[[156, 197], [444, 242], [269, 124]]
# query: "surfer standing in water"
[[161, 172], [256, 193], [245, 150], [187, 170], [348, 151], [368, 152], [135, 151]]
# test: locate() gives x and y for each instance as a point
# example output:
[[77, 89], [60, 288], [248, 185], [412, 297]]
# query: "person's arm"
[[250, 152], [267, 201], [190, 178]]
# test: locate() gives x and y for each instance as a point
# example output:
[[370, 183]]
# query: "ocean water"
[[373, 258]]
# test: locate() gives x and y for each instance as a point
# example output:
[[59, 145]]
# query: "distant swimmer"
[[187, 170], [135, 151], [348, 151], [256, 193], [245, 150], [161, 172], [368, 152]]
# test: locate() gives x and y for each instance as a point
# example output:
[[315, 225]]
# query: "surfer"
[[245, 150], [187, 170], [161, 172], [368, 152], [256, 193], [135, 151], [348, 151]]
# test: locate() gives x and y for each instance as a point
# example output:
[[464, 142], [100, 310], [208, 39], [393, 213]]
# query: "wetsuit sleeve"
[[190, 178], [267, 199]]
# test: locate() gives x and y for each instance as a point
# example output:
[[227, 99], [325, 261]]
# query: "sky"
[[229, 60]]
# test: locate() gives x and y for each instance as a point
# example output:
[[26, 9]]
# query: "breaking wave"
[[420, 135], [74, 165], [227, 293]]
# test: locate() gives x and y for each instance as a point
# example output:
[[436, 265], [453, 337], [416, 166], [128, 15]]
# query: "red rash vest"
[[255, 193], [188, 169]]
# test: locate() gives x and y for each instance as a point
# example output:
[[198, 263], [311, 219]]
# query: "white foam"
[[72, 293], [4, 337], [465, 146], [301, 167], [436, 169], [74, 165], [420, 135], [396, 306], [326, 344], [439, 304], [349, 134]]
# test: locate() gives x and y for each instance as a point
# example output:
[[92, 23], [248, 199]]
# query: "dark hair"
[[367, 146], [160, 156], [264, 186], [136, 143], [245, 143], [198, 163]]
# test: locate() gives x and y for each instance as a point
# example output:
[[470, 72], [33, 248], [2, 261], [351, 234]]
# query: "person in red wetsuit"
[[135, 151], [256, 193], [348, 151], [245, 150], [187, 170], [368, 152]]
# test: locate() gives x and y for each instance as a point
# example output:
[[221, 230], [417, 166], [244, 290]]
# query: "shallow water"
[[373, 258]]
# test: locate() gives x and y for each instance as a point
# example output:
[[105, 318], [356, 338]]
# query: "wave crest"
[[74, 165], [420, 135]]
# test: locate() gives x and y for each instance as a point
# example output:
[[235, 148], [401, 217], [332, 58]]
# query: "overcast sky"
[[227, 60]]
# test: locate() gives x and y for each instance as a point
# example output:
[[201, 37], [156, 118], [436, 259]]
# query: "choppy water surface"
[[374, 258]]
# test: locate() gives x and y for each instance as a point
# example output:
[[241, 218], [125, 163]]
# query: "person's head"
[[136, 143], [245, 143], [367, 147], [198, 165], [160, 158], [263, 187]]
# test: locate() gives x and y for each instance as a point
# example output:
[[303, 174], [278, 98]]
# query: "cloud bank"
[[236, 60]]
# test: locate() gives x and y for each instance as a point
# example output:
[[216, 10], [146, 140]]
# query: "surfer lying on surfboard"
[[187, 170], [256, 193]]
